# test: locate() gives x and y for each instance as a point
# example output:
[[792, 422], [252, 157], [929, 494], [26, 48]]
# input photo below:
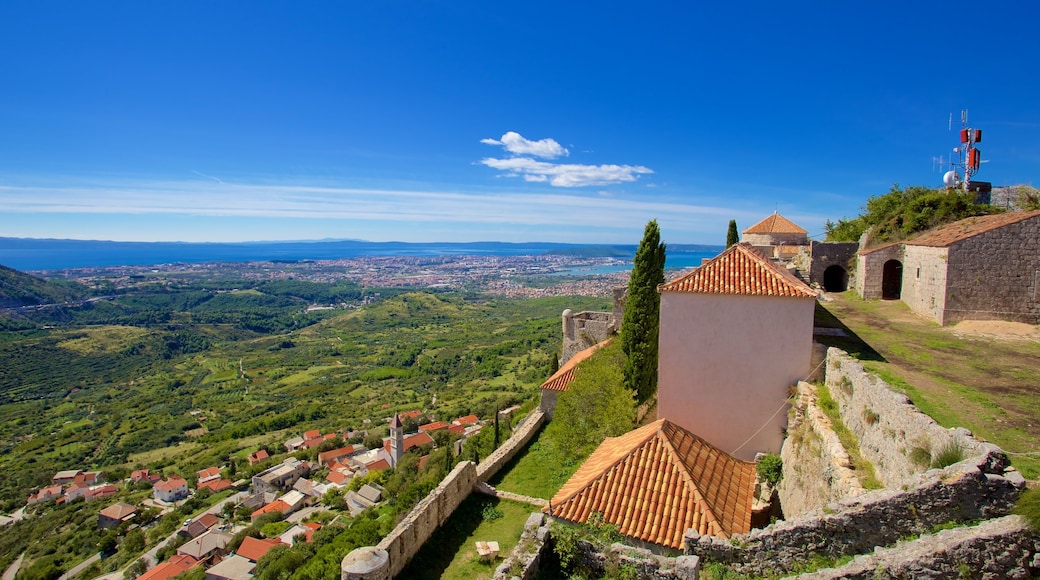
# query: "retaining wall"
[[887, 424], [412, 532], [816, 468]]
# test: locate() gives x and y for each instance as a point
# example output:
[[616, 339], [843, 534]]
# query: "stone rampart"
[[585, 329], [412, 532], [893, 434], [526, 558], [836, 517], [522, 434], [973, 489], [816, 468], [999, 548]]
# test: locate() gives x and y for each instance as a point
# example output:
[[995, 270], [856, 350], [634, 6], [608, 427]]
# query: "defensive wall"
[[836, 516], [585, 329], [392, 554]]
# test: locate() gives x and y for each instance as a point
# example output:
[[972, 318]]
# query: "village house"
[[64, 477], [208, 474], [327, 457], [979, 268], [290, 536], [234, 567], [143, 476], [281, 476], [49, 493], [173, 489], [735, 336], [116, 515], [216, 485], [207, 548], [175, 566], [199, 525], [658, 481], [258, 457], [100, 491]]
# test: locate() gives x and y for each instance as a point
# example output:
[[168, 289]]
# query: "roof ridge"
[[614, 462], [731, 273], [698, 496]]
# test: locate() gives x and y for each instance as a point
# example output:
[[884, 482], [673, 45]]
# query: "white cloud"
[[515, 143], [566, 174]]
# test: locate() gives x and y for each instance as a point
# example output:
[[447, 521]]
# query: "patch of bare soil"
[[997, 329]]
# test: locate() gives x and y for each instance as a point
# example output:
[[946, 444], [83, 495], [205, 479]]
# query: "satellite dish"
[[951, 179]]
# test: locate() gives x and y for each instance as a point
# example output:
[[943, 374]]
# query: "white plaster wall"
[[924, 281], [726, 364]]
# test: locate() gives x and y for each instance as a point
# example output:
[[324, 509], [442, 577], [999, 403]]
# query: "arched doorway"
[[892, 280], [835, 279]]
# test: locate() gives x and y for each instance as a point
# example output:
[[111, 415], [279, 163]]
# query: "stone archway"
[[892, 280], [835, 279]]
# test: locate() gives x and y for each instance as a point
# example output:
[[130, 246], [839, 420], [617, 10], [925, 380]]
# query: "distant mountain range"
[[31, 254]]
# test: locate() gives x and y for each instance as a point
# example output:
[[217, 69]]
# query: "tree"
[[641, 322], [1026, 197], [732, 237], [554, 364]]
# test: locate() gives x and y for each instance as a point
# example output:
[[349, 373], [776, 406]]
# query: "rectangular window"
[[918, 273]]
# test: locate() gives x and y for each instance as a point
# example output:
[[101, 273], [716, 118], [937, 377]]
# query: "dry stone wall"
[[1002, 548], [893, 434], [816, 468], [405, 540], [522, 434]]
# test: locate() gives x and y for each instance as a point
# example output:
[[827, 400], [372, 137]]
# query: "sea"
[[38, 255]]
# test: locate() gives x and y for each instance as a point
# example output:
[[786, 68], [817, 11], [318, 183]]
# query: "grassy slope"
[[984, 384]]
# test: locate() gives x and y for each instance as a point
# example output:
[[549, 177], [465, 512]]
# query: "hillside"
[[21, 289]]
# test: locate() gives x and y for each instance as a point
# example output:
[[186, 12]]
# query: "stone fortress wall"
[[837, 517], [392, 554]]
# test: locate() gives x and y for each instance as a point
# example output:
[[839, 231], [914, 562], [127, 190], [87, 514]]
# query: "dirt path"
[[983, 375]]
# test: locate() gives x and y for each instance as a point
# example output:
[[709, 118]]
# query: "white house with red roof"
[[735, 335], [173, 489], [208, 474]]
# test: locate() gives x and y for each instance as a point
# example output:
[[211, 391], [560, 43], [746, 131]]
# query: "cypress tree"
[[496, 428], [554, 365], [642, 319], [731, 235]]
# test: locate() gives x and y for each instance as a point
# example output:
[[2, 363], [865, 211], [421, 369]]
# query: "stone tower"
[[396, 440]]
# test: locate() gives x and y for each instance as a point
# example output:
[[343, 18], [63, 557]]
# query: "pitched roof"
[[118, 511], [208, 473], [775, 224], [177, 564], [171, 484], [275, 506], [378, 465], [435, 426], [740, 270], [216, 485], [467, 420], [562, 378], [656, 482], [413, 440], [969, 227], [254, 549]]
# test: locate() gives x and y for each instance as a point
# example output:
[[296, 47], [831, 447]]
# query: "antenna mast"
[[968, 159]]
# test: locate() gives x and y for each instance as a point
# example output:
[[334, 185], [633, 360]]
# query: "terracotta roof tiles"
[[740, 270], [775, 224], [969, 227], [656, 482], [562, 378]]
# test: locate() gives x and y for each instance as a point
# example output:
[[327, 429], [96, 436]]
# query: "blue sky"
[[464, 121]]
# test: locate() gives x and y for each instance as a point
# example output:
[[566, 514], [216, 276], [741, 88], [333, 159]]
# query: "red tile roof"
[[118, 511], [656, 482], [257, 457], [171, 484], [378, 465], [775, 224], [435, 426], [740, 270], [562, 378], [208, 473], [969, 227], [410, 414], [216, 485], [337, 477], [467, 420], [457, 430], [275, 506], [177, 564], [410, 441], [311, 434], [330, 456], [254, 549]]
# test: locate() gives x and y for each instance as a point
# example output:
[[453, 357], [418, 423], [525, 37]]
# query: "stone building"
[[827, 264], [736, 334], [776, 237], [979, 268], [584, 329]]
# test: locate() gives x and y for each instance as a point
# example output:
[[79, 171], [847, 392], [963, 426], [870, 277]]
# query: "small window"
[[918, 273]]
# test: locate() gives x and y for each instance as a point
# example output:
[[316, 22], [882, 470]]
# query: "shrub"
[[771, 468], [870, 416], [921, 456]]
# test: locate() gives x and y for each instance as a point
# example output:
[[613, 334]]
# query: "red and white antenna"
[[969, 157]]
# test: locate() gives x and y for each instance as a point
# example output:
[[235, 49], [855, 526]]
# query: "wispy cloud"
[[555, 174], [515, 143]]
